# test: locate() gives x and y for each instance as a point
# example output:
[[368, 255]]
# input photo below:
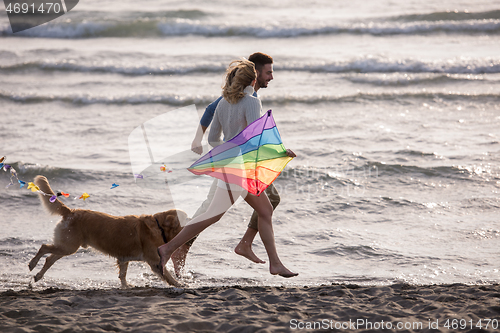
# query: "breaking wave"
[[195, 22], [178, 100], [368, 64]]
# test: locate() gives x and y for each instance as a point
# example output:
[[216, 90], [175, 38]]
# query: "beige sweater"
[[231, 119]]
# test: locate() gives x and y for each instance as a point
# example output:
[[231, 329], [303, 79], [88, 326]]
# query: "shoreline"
[[338, 307]]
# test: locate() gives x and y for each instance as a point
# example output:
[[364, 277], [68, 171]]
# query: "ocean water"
[[393, 108]]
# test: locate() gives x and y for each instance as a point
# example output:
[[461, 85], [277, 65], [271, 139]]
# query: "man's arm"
[[196, 144], [205, 121]]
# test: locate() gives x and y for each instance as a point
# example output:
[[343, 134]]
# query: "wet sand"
[[399, 307]]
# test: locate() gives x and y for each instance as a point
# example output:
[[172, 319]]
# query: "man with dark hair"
[[264, 68]]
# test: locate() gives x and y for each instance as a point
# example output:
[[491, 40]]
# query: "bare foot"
[[282, 271], [246, 251]]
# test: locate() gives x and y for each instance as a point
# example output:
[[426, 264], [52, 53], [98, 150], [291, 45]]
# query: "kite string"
[[257, 155]]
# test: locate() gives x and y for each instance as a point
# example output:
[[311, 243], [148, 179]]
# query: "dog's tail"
[[54, 208]]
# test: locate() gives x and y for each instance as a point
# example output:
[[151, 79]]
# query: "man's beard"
[[262, 84]]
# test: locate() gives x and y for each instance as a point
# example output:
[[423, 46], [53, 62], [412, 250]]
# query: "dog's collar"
[[162, 231]]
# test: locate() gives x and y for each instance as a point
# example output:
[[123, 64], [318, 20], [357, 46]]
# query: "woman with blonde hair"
[[234, 113]]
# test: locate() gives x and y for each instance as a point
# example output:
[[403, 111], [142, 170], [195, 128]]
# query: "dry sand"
[[255, 309]]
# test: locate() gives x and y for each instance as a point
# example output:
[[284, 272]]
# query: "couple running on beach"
[[230, 114]]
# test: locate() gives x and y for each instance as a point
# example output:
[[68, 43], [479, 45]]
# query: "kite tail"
[[54, 208]]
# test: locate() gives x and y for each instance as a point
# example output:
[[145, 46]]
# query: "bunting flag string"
[[31, 186], [163, 168]]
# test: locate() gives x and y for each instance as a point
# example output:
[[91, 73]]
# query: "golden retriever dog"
[[126, 238]]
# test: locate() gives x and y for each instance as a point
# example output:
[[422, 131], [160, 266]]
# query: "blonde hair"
[[239, 75]]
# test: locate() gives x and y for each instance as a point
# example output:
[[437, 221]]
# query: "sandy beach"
[[389, 212], [399, 307]]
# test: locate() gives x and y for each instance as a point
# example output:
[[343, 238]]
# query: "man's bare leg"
[[244, 247]]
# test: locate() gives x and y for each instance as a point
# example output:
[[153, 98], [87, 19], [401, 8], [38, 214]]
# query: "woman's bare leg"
[[244, 247], [265, 210], [219, 205]]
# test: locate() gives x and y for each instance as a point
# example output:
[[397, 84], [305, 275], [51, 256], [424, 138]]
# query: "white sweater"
[[231, 119]]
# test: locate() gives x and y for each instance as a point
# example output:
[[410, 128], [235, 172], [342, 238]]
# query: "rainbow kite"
[[253, 159]]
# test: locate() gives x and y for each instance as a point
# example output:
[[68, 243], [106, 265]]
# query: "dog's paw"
[[171, 281], [126, 286], [32, 265], [178, 284]]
